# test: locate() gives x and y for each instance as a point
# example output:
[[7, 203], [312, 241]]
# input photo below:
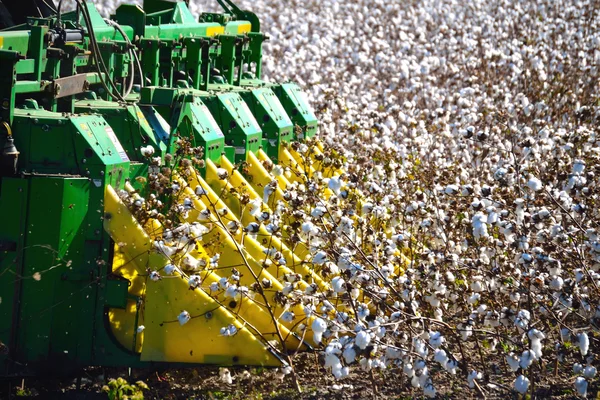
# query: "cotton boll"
[[441, 357], [318, 327], [581, 385], [335, 184], [534, 183], [415, 381], [222, 173], [521, 384], [584, 343], [451, 190], [479, 226], [362, 340], [288, 316], [154, 276], [225, 376], [556, 283], [477, 286], [320, 258], [527, 359], [536, 336], [349, 355], [522, 320], [513, 362], [169, 269], [474, 298], [194, 281], [408, 370], [473, 375], [429, 391], [589, 372], [451, 366], [232, 292], [435, 339], [338, 285], [229, 330], [147, 151], [183, 317]]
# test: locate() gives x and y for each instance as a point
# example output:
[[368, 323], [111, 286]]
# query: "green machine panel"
[[241, 130], [296, 105], [276, 126], [188, 116]]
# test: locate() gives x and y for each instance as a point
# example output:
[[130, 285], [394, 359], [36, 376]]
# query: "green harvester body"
[[70, 138]]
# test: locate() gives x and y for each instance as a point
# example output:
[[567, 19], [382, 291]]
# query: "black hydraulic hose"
[[132, 52], [96, 52], [100, 65], [58, 22]]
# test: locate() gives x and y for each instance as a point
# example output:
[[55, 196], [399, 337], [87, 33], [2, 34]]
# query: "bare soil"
[[258, 383]]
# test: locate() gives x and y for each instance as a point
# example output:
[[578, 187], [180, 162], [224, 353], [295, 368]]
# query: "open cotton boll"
[[479, 222], [225, 376], [168, 251], [169, 269], [522, 320], [441, 357], [534, 183], [229, 330], [349, 354], [473, 375], [589, 372], [429, 390], [288, 316], [197, 230], [556, 283], [154, 276], [451, 366], [415, 381], [436, 339], [521, 384], [536, 336], [318, 327], [581, 385], [222, 173], [194, 281], [584, 343], [232, 292], [190, 263], [183, 317], [513, 361], [362, 340], [320, 258], [408, 370], [527, 358], [318, 212], [335, 184], [338, 285], [147, 151]]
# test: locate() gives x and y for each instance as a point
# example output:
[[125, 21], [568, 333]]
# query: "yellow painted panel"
[[215, 30], [244, 28]]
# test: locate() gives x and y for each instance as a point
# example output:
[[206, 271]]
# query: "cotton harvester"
[[104, 121]]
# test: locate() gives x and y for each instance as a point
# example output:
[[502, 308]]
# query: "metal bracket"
[[69, 86]]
